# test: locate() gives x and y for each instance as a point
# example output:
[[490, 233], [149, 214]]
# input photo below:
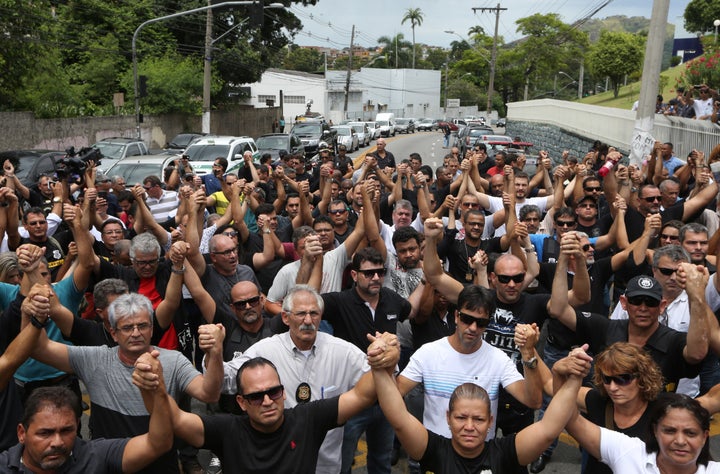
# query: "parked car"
[[501, 123], [347, 136], [469, 134], [182, 140], [311, 133], [204, 151], [117, 148], [31, 164], [404, 125], [135, 169], [363, 132], [427, 125], [386, 121], [374, 129], [274, 142]]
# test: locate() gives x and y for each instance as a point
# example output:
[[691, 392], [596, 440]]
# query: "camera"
[[72, 166]]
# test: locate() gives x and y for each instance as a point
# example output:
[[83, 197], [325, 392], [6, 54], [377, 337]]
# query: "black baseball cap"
[[644, 285]]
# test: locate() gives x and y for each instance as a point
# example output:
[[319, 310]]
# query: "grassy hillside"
[[630, 93]]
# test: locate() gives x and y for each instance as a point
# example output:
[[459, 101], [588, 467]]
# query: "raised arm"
[[206, 388], [192, 234], [529, 391], [432, 266], [696, 279], [167, 309], [559, 306]]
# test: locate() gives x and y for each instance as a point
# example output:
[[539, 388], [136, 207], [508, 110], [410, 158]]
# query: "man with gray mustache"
[[312, 365]]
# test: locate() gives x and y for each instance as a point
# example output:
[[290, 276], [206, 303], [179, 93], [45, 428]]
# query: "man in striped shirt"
[[162, 203]]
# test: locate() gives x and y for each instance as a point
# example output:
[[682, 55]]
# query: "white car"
[[347, 136], [374, 130], [363, 132]]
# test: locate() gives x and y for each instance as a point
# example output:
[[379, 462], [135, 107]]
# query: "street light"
[[167, 17], [716, 23]]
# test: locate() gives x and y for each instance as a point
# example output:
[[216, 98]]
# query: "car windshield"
[[343, 131], [112, 151], [383, 123], [206, 152], [134, 173], [307, 128], [402, 121], [358, 128], [272, 143]]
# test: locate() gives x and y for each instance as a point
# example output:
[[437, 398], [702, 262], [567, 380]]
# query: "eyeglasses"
[[620, 379], [145, 263], [34, 223], [337, 211], [302, 314], [652, 199], [226, 253], [469, 320], [669, 237], [257, 398], [505, 279], [648, 301], [242, 304], [371, 272], [587, 247], [230, 234], [593, 188], [130, 328], [565, 223], [666, 271]]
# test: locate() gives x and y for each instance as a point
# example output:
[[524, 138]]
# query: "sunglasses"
[[593, 188], [230, 234], [648, 301], [242, 304], [587, 206], [567, 224], [587, 247], [666, 271], [470, 204], [469, 320], [337, 211], [669, 237], [371, 272], [620, 379], [257, 398], [505, 279], [651, 199]]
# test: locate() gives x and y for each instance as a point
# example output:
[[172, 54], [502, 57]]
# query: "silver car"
[[347, 136], [363, 133]]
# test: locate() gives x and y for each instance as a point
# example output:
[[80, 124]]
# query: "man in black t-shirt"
[[270, 438]]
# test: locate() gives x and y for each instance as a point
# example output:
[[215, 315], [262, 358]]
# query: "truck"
[[386, 121]]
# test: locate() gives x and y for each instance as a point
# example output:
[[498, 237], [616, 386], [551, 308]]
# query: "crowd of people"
[[467, 314]]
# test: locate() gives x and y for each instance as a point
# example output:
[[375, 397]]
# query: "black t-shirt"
[[499, 455], [635, 222], [600, 273], [665, 345], [596, 405], [352, 319], [293, 448], [457, 252], [265, 275], [434, 328], [86, 332], [527, 309]]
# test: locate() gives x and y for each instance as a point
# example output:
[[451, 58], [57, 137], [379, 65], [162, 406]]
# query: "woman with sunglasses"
[[469, 420], [627, 382]]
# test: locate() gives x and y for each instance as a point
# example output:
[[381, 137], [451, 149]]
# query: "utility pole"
[[207, 63], [493, 56], [349, 71]]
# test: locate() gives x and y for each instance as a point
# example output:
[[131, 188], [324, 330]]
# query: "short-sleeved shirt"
[[98, 456], [498, 455], [665, 345], [352, 319], [293, 448]]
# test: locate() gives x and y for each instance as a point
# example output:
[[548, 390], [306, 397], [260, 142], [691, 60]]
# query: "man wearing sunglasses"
[[353, 313], [332, 365], [678, 354], [271, 438]]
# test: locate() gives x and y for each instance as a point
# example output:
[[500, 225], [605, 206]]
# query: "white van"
[[386, 122]]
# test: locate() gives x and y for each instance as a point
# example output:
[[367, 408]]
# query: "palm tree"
[[415, 16]]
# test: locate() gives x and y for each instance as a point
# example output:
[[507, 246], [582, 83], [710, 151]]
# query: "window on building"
[[264, 98], [294, 99]]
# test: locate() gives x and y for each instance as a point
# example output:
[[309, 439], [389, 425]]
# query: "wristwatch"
[[531, 364], [56, 200]]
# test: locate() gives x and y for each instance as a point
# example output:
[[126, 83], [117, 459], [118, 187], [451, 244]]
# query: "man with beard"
[[245, 328], [694, 239], [331, 366], [353, 313]]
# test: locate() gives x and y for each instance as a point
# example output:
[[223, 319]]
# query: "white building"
[[405, 92]]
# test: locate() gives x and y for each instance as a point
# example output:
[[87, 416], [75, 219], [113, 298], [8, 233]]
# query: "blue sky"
[[329, 22]]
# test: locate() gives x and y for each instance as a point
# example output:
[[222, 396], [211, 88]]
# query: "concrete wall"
[[21, 130]]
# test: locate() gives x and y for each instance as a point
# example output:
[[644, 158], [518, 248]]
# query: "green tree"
[[304, 59], [396, 50], [700, 14], [415, 17], [615, 55], [549, 45], [437, 57]]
